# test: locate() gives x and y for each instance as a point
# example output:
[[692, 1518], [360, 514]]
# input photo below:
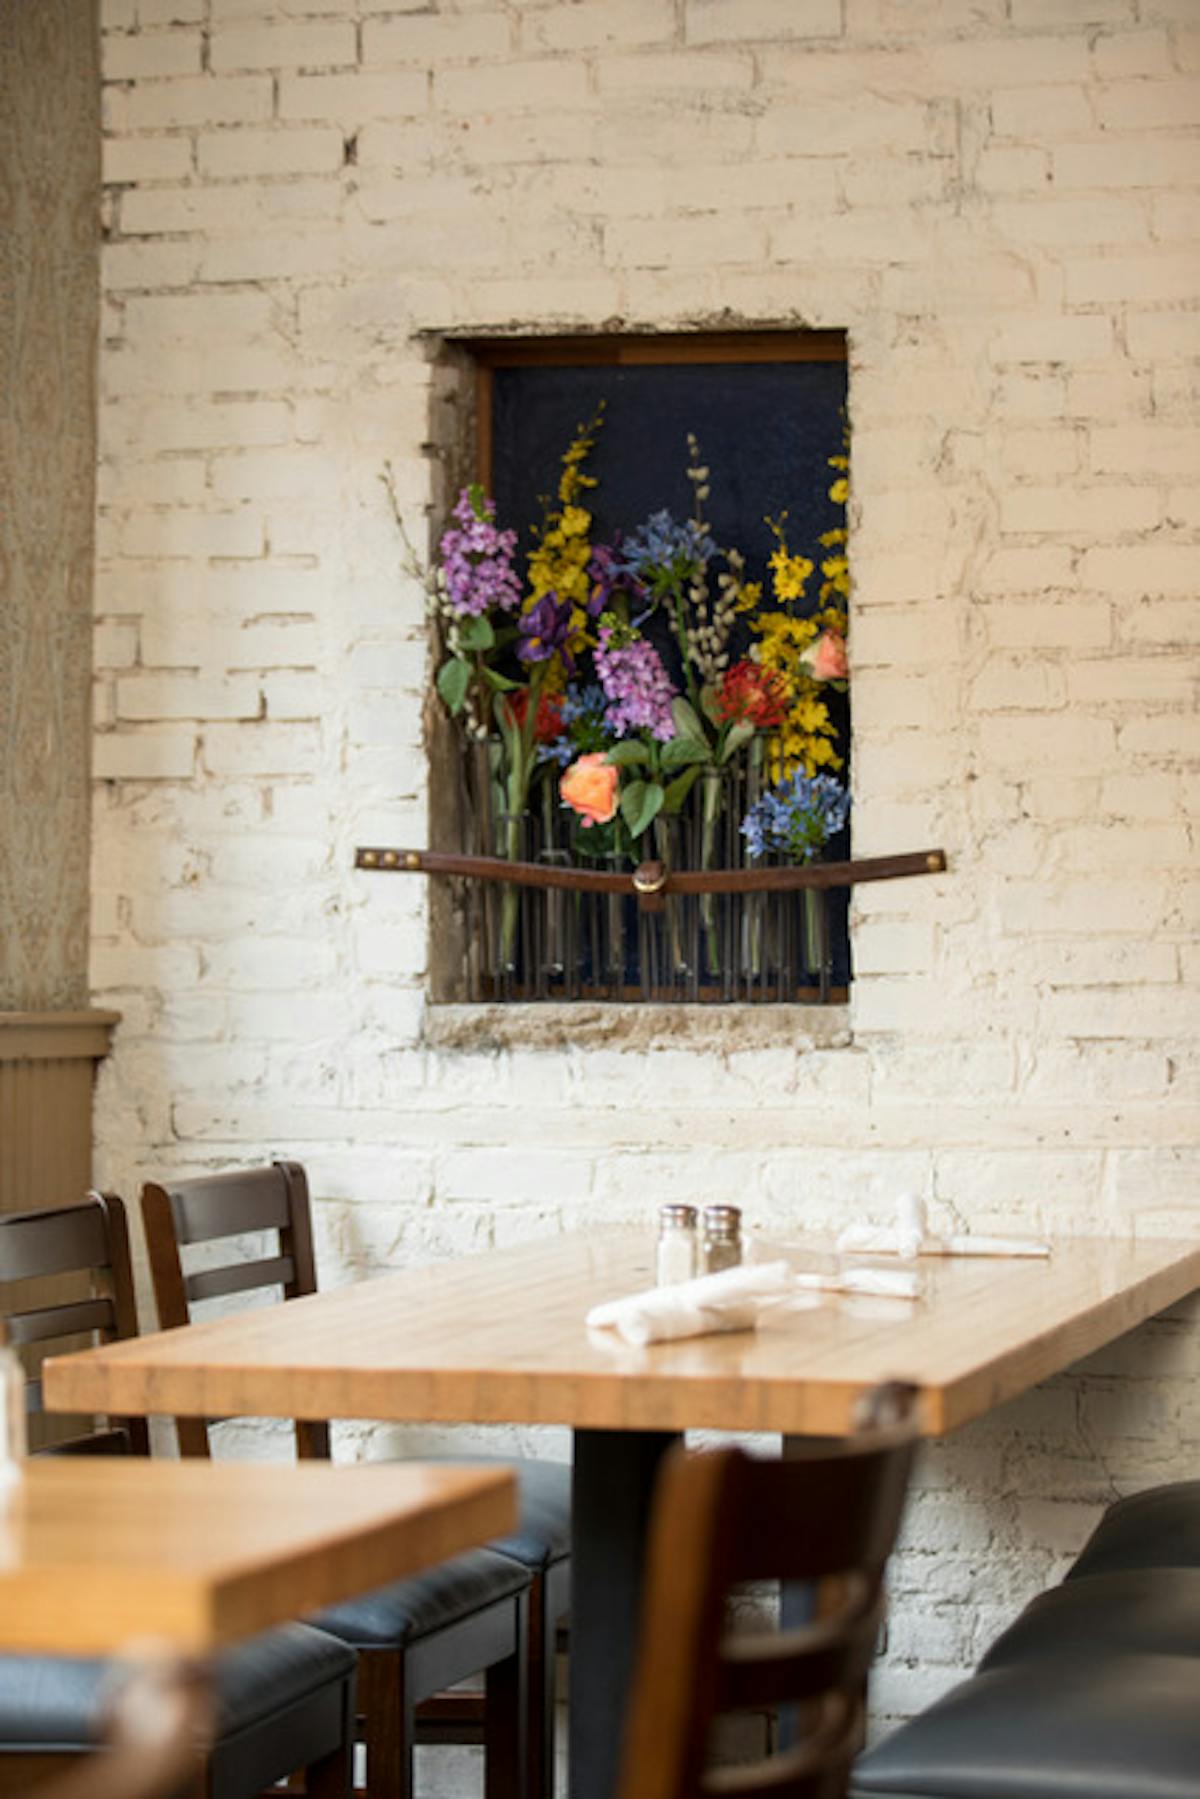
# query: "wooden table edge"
[[199, 1612]]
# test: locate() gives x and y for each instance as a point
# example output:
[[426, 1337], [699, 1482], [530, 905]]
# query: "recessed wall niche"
[[735, 432]]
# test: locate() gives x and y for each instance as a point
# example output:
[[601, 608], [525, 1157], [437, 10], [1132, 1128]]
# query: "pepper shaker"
[[678, 1254], [722, 1238]]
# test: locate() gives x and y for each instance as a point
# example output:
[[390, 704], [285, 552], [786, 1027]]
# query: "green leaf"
[[453, 680], [597, 841], [681, 751], [476, 634], [518, 775], [630, 754], [708, 702], [739, 734], [497, 682], [679, 788], [641, 803], [687, 723]]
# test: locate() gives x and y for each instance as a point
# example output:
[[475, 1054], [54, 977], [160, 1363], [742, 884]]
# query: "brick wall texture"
[[999, 200]]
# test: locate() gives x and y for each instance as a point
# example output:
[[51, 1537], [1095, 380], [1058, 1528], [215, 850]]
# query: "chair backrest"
[[225, 1206], [722, 1519], [90, 1238]]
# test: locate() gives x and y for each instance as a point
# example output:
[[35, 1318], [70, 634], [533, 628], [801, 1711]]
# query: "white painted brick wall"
[[1000, 201]]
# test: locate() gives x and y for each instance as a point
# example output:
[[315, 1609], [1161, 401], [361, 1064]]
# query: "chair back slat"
[[230, 1205], [114, 1441], [227, 1205], [90, 1238], [63, 1240], [835, 1651], [70, 1320], [723, 1519], [851, 1502], [240, 1277]]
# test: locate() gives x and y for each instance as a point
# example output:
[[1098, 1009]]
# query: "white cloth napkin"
[[909, 1237], [733, 1300], [729, 1301]]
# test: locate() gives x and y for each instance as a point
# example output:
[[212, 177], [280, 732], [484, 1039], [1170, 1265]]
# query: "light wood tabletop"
[[501, 1338], [96, 1551]]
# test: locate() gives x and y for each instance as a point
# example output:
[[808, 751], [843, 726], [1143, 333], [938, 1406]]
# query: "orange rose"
[[590, 787], [825, 660]]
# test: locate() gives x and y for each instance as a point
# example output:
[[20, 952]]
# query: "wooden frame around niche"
[[603, 351]]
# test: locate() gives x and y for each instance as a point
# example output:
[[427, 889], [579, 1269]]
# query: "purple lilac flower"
[[477, 558], [797, 818], [638, 687], [544, 630]]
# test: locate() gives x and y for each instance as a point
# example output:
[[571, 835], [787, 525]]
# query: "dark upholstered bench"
[[1094, 1691]]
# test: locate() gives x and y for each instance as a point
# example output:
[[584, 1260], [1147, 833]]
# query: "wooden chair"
[[90, 1239], [421, 1636], [722, 1519], [285, 1699]]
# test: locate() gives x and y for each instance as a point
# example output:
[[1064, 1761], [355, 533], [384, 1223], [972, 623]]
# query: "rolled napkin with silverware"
[[732, 1300], [910, 1237], [728, 1301]]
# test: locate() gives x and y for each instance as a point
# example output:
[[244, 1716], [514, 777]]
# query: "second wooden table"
[[96, 1551]]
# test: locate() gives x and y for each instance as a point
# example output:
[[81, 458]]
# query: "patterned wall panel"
[[49, 300]]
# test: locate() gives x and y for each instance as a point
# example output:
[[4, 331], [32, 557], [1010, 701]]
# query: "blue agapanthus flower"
[[797, 818], [663, 551], [585, 727]]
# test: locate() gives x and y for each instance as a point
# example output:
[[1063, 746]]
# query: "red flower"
[[548, 724], [752, 693]]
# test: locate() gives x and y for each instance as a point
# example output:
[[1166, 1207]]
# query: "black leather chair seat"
[[406, 1610], [1108, 1726], [543, 1533], [1139, 1611], [1159, 1528], [55, 1702]]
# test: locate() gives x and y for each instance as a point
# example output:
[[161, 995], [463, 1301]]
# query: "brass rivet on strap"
[[935, 863], [412, 860], [367, 858], [650, 877], [390, 859]]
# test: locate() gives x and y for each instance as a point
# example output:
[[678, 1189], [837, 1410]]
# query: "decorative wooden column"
[[47, 1069], [50, 1039]]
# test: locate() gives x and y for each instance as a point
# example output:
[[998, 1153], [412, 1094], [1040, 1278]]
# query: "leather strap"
[[651, 880]]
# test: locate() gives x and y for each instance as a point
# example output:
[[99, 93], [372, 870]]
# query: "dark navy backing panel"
[[765, 431]]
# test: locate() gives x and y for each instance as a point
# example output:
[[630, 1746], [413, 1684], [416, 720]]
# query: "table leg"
[[613, 1484]]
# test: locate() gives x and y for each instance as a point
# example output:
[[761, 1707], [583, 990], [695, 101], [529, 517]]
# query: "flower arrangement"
[[628, 683]]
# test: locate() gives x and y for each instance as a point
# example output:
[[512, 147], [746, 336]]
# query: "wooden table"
[[501, 1338], [97, 1551]]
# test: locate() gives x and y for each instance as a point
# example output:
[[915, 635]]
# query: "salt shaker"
[[678, 1255], [722, 1238]]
